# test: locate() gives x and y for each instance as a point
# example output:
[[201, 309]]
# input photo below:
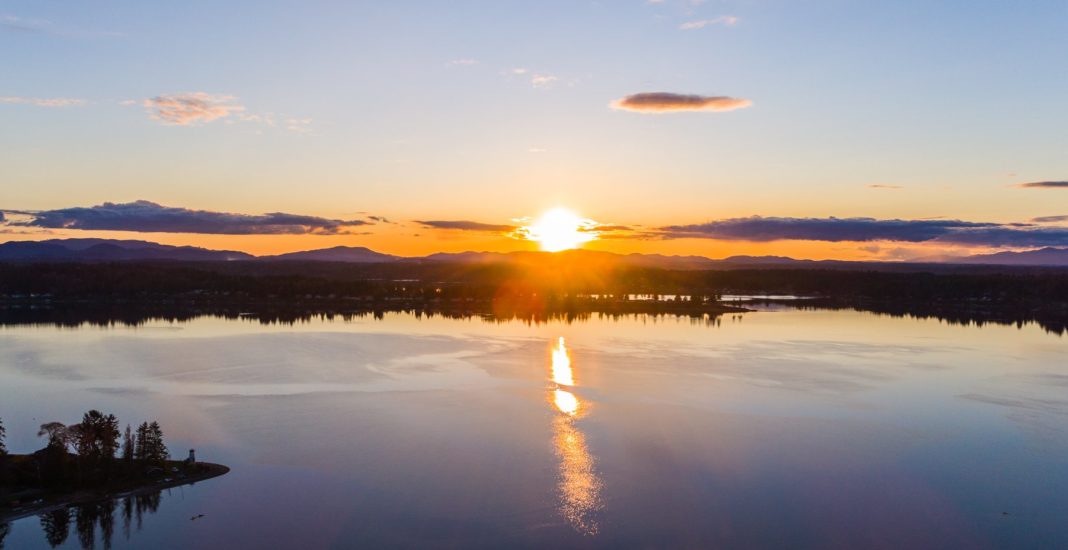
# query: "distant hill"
[[1042, 257], [353, 254], [110, 250], [104, 250]]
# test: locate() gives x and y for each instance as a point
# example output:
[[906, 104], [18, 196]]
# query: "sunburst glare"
[[560, 229]]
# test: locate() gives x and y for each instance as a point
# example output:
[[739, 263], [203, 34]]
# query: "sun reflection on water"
[[566, 402], [561, 363], [579, 485]]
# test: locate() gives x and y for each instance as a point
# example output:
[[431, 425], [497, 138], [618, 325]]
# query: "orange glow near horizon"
[[403, 240]]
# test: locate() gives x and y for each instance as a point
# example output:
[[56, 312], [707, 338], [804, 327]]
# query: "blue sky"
[[490, 111]]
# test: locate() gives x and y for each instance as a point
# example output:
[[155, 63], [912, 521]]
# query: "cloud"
[[42, 101], [466, 225], [760, 229], [665, 102], [1050, 219], [883, 186], [20, 24], [149, 217], [192, 108], [461, 62], [537, 80], [1005, 236], [299, 125], [1044, 184], [726, 20], [964, 233], [43, 26], [542, 80]]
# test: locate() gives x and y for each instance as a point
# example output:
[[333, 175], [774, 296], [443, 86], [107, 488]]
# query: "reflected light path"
[[579, 487], [561, 364]]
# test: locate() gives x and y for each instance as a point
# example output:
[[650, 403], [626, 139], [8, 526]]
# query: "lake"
[[782, 428]]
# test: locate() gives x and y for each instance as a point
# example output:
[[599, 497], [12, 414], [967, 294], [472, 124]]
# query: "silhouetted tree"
[[97, 437], [3, 435], [56, 526], [158, 451], [150, 446], [56, 433], [127, 446], [141, 442]]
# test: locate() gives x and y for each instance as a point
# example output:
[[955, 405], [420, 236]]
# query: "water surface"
[[769, 429]]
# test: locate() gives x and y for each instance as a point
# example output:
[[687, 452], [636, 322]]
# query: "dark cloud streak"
[[666, 102], [1045, 185], [149, 217], [760, 229], [466, 225]]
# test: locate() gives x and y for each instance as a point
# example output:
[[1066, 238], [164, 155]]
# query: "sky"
[[814, 129]]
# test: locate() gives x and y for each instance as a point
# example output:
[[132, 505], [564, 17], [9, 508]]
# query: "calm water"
[[773, 429]]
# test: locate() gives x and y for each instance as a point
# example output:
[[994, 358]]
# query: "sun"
[[561, 229]]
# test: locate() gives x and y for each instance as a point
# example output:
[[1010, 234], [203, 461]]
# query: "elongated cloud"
[[760, 229], [1045, 184], [666, 102], [192, 108], [149, 217], [42, 101], [1050, 219], [466, 225]]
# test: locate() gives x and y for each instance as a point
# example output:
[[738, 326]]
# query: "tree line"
[[91, 452]]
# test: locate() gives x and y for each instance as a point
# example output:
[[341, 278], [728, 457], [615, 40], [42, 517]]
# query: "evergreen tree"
[[127, 445], [3, 434], [141, 443], [158, 450]]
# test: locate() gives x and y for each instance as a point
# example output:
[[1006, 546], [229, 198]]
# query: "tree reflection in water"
[[87, 518]]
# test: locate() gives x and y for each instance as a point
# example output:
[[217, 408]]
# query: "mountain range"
[[108, 250]]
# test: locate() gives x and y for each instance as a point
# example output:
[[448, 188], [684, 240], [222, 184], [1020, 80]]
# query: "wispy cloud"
[[1044, 184], [192, 108], [467, 225], [725, 20], [149, 217], [42, 101], [22, 24], [543, 80], [299, 125], [666, 102], [883, 186], [536, 79], [464, 62], [14, 23]]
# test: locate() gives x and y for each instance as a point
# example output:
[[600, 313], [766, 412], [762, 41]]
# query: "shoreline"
[[52, 502]]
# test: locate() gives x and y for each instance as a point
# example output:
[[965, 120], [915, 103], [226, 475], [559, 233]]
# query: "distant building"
[[192, 457]]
